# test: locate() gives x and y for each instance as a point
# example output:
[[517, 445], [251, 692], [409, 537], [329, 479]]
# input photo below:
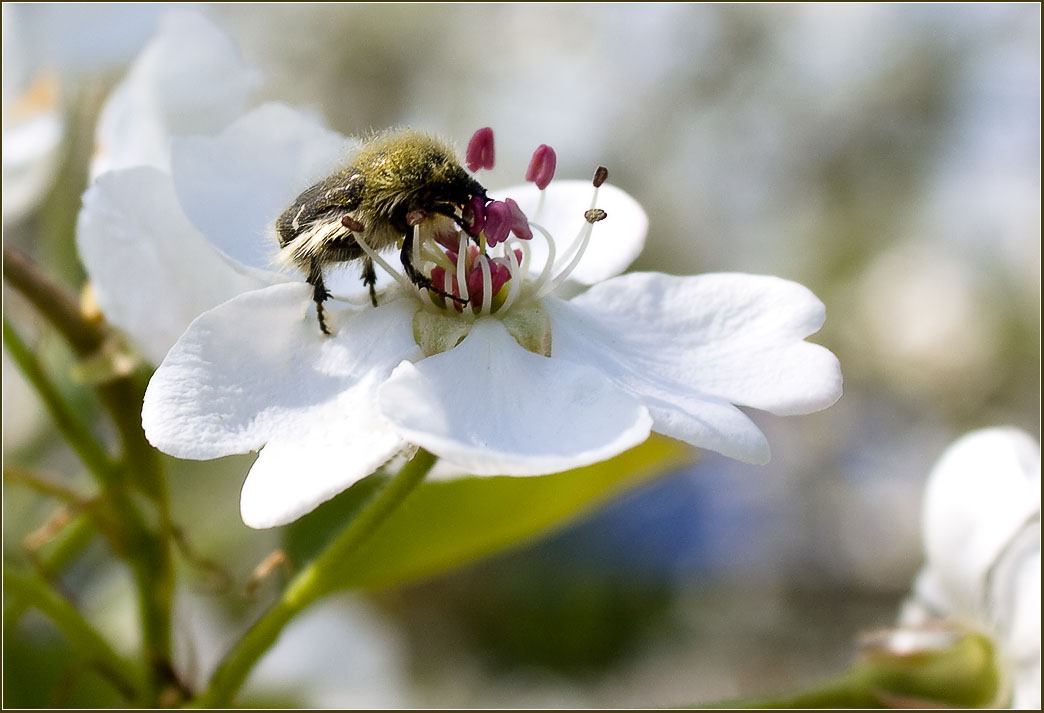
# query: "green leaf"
[[445, 524]]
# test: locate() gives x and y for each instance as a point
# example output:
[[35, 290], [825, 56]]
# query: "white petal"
[[33, 126], [981, 493], [257, 368], [86, 39], [291, 477], [151, 271], [188, 80], [615, 242], [734, 336], [490, 407], [711, 423], [233, 186], [1020, 637], [1022, 641]]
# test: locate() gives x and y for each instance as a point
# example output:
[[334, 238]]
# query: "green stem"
[[317, 579], [54, 302], [43, 485], [31, 588], [147, 552], [78, 435], [67, 546], [963, 674]]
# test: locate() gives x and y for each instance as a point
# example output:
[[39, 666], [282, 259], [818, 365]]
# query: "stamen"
[[527, 257], [487, 285], [542, 166], [437, 256], [516, 278], [462, 273], [541, 281], [352, 224], [372, 254], [498, 222], [417, 241], [480, 150], [591, 216], [519, 223], [475, 215]]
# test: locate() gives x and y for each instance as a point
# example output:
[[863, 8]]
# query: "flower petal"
[[689, 347], [151, 271], [616, 241], [982, 492], [257, 369], [189, 80], [292, 476], [734, 336], [711, 423], [233, 186], [33, 121], [490, 407]]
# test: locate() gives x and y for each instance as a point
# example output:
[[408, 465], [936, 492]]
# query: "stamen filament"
[[583, 239], [516, 276], [538, 284], [487, 285], [527, 257], [462, 265], [417, 241], [372, 254], [438, 257], [447, 284], [580, 244]]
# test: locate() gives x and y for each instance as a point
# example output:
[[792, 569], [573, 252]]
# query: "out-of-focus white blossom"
[[982, 551]]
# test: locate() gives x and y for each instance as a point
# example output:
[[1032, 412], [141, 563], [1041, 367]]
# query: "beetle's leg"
[[369, 278], [414, 275], [319, 294]]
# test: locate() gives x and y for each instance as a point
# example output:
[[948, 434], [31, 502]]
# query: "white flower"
[[188, 80], [135, 241], [33, 123], [982, 550], [632, 354], [50, 51]]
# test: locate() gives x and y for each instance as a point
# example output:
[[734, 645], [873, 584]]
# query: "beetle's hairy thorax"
[[410, 171], [390, 176]]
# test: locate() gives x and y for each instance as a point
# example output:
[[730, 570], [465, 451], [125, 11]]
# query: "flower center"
[[483, 257], [479, 263]]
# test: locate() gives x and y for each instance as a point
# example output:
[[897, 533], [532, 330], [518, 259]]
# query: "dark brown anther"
[[594, 215], [601, 174], [416, 217], [352, 224]]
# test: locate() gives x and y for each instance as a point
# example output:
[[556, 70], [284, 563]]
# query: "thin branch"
[[314, 581], [78, 435], [53, 301], [34, 590]]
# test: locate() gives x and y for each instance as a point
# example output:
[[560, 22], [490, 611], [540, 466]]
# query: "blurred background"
[[886, 156]]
